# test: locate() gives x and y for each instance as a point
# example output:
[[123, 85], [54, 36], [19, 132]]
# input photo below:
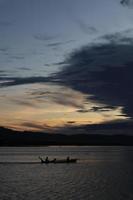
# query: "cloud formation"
[[63, 96], [35, 126], [97, 109], [24, 102], [85, 28], [124, 37], [58, 44], [128, 3], [104, 70], [12, 81], [4, 49], [55, 44]]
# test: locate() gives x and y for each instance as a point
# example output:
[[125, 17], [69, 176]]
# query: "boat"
[[55, 161], [74, 160]]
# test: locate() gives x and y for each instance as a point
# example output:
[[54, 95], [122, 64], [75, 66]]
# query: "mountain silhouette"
[[101, 134]]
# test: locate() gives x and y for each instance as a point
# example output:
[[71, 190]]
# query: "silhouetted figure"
[[46, 159], [54, 160], [42, 161], [68, 159]]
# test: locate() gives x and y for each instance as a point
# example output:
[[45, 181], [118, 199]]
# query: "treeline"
[[15, 138]]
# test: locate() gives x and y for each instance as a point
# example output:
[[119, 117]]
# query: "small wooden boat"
[[73, 160]]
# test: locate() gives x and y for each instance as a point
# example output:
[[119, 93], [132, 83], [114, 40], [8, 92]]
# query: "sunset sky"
[[65, 62]]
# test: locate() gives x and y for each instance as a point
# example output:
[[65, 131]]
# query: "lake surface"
[[101, 173]]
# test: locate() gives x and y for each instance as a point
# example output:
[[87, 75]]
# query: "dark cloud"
[[12, 81], [101, 108], [71, 122], [58, 44], [55, 64], [124, 37], [3, 74], [5, 81], [82, 110], [39, 94], [55, 44], [2, 71], [4, 49], [96, 109], [61, 63], [105, 71], [122, 115], [128, 3]]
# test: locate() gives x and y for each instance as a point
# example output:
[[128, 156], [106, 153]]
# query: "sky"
[[65, 63]]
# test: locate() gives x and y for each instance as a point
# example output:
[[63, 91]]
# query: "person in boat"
[[46, 159], [54, 160], [68, 159], [42, 161]]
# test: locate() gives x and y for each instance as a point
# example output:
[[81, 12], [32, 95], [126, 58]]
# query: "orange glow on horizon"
[[53, 109]]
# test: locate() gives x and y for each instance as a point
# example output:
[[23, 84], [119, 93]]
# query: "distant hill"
[[15, 138], [110, 128]]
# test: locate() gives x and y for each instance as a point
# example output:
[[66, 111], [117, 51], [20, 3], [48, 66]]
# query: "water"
[[101, 173]]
